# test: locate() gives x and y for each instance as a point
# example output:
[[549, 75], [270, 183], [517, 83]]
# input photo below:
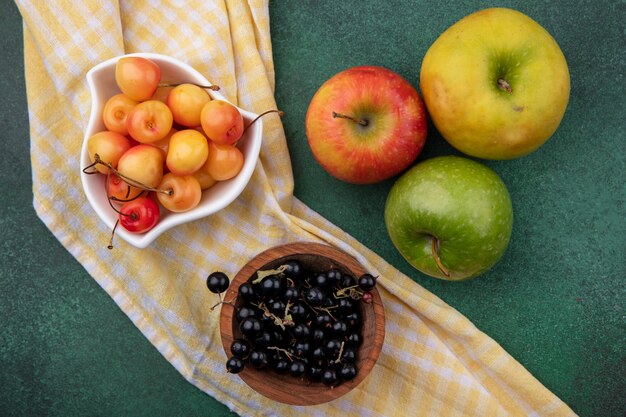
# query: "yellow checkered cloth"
[[434, 361]]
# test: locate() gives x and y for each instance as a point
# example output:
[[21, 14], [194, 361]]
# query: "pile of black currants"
[[302, 323]]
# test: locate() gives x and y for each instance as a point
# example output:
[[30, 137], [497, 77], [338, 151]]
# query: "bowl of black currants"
[[302, 323]]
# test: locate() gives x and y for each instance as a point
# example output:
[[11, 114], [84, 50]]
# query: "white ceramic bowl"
[[101, 81]]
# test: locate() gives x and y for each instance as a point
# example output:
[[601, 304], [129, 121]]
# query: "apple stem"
[[435, 249], [504, 85], [362, 122], [210, 87]]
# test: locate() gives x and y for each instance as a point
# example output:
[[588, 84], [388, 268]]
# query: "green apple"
[[450, 217], [496, 84]]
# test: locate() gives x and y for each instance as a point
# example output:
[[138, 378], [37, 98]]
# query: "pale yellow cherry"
[[188, 151], [179, 193], [202, 175], [143, 164], [110, 146], [224, 161], [186, 102]]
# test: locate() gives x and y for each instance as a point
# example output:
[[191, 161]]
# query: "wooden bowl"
[[284, 388]]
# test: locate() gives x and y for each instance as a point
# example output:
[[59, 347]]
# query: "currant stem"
[[504, 85], [340, 353], [209, 87], [362, 122], [285, 351], [222, 301], [435, 249]]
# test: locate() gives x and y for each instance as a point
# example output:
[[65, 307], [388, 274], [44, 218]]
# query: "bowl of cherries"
[[162, 146], [301, 324]]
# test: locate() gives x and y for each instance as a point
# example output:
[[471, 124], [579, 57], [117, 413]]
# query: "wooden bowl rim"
[[282, 388]]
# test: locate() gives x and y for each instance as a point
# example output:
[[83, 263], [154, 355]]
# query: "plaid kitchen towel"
[[434, 361]]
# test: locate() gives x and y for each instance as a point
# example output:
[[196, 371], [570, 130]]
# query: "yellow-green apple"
[[366, 124], [495, 84], [450, 217]]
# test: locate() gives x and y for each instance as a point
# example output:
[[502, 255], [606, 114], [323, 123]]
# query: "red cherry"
[[140, 215]]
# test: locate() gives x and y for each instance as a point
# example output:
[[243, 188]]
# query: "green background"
[[556, 301]]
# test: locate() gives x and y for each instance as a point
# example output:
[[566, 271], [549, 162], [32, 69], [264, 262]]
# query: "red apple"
[[366, 124]]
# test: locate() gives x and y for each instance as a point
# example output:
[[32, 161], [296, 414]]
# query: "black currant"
[[366, 282], [318, 353], [258, 359], [277, 307], [272, 286], [320, 280], [278, 337], [323, 320], [353, 339], [348, 372], [340, 328], [347, 281], [246, 292], [234, 365], [318, 335], [314, 296], [334, 277], [292, 294], [332, 348], [293, 269], [298, 312], [324, 323], [301, 331], [263, 339], [348, 355], [297, 368], [217, 282], [250, 327], [345, 305], [330, 378], [353, 319], [302, 348], [245, 312], [281, 366], [240, 348]]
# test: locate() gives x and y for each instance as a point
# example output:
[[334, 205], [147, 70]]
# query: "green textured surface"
[[556, 301]]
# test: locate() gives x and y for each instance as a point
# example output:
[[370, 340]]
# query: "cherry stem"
[[504, 85], [280, 114], [110, 247], [362, 122], [129, 180], [210, 87], [435, 249], [125, 200]]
